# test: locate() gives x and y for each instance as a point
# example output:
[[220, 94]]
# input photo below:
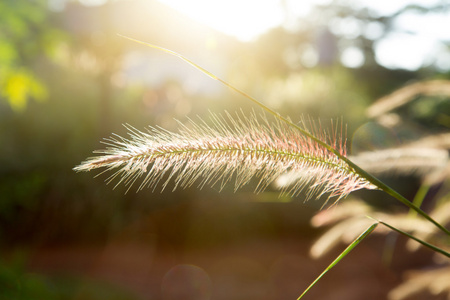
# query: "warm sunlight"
[[247, 20], [242, 19]]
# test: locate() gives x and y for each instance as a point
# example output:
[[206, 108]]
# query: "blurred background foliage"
[[67, 80]]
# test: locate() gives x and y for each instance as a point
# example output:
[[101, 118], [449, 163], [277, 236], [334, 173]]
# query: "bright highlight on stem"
[[234, 148]]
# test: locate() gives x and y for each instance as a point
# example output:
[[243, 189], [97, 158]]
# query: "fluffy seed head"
[[233, 148]]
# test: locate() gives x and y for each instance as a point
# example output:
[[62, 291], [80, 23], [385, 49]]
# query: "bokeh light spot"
[[187, 282]]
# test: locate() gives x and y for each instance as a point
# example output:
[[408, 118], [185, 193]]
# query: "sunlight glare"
[[92, 2], [245, 20], [404, 51]]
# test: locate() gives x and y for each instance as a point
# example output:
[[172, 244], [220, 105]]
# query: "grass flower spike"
[[353, 176], [231, 149]]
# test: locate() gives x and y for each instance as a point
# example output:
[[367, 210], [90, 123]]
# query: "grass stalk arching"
[[372, 179]]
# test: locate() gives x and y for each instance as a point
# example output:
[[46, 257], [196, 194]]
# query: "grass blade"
[[419, 197], [342, 255], [428, 245]]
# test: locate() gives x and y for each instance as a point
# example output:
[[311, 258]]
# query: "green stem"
[[419, 197], [432, 247], [341, 256], [376, 182]]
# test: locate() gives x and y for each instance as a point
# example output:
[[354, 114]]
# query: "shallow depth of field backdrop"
[[67, 80]]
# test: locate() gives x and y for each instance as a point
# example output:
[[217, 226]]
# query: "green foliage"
[[19, 85], [26, 35]]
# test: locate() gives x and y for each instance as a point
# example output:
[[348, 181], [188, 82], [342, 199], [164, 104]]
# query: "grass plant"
[[237, 148]]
